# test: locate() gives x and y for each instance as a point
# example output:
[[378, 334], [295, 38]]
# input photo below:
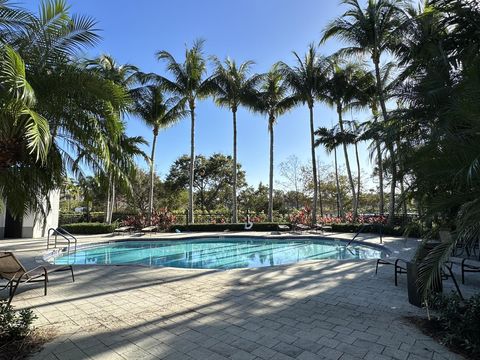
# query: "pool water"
[[218, 253]]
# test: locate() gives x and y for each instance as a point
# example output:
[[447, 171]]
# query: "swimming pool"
[[217, 253]]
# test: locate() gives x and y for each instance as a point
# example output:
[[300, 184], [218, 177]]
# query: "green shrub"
[[459, 320], [226, 226], [14, 324], [89, 228]]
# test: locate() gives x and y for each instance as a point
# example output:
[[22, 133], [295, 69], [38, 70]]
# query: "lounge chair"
[[400, 266], [322, 228], [282, 227], [12, 270], [150, 229], [124, 229], [301, 227]]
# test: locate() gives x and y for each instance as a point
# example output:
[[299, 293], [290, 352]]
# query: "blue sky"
[[264, 31]]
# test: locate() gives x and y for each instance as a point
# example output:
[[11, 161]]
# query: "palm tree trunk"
[[112, 202], [381, 99], [314, 167], [270, 177], [152, 175], [358, 178], [337, 181], [234, 194], [393, 170], [107, 210], [347, 163], [380, 177], [192, 163], [320, 200]]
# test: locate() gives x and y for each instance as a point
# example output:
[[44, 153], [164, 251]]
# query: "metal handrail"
[[63, 233], [360, 230]]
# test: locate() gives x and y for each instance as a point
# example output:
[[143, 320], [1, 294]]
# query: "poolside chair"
[[12, 270], [124, 229], [400, 266], [322, 227], [301, 227], [150, 229]]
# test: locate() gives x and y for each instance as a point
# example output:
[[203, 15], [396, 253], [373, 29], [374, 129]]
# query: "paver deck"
[[322, 309]]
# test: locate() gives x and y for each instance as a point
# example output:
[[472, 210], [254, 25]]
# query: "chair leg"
[[45, 283], [396, 276], [13, 291], [376, 267], [73, 276]]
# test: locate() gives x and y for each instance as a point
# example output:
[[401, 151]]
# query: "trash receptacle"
[[414, 295]]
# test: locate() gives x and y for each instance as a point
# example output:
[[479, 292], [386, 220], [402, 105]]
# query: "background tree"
[[230, 85], [272, 99], [157, 112], [372, 30], [305, 80], [189, 84], [212, 180]]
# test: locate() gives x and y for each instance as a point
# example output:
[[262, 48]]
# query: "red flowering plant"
[[161, 218], [301, 216]]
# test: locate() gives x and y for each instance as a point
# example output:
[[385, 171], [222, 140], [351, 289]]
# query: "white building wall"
[[33, 224]]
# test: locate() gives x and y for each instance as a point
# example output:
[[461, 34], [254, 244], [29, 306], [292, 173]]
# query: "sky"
[[264, 31]]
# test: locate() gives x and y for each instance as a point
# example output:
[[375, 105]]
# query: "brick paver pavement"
[[312, 310]]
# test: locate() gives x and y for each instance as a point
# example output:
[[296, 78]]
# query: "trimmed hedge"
[[413, 231], [226, 226], [89, 228]]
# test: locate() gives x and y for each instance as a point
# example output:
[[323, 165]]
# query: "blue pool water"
[[218, 253]]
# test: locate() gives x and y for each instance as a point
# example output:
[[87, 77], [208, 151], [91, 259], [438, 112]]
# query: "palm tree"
[[272, 99], [331, 139], [305, 80], [71, 104], [125, 76], [159, 113], [372, 30], [230, 85], [341, 91], [189, 84]]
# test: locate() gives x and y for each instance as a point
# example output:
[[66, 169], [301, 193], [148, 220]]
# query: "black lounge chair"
[[396, 263], [12, 270]]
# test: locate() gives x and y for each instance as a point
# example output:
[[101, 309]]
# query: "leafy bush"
[[459, 320], [90, 228], [226, 226], [161, 218], [14, 324]]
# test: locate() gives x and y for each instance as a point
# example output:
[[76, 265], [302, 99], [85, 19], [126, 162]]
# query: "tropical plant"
[[273, 100], [330, 139], [231, 85], [306, 80], [158, 112], [372, 30], [189, 84]]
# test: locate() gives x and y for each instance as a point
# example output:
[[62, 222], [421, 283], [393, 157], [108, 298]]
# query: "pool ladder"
[[65, 235]]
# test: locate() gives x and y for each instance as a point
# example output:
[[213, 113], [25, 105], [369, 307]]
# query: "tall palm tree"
[[230, 84], [331, 139], [124, 76], [305, 79], [273, 100], [341, 91], [158, 112], [189, 84], [371, 30]]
